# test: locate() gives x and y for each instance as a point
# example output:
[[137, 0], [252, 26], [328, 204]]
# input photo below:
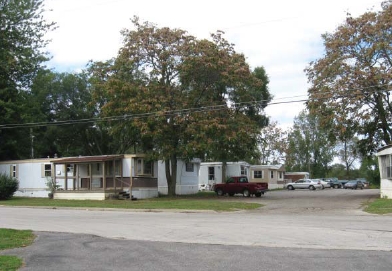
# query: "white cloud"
[[283, 36]]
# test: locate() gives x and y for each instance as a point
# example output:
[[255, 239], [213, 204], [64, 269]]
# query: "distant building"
[[272, 174], [187, 177], [211, 172]]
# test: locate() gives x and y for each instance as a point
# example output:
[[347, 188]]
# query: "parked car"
[[304, 184], [365, 183], [324, 183], [335, 184], [343, 182], [353, 184]]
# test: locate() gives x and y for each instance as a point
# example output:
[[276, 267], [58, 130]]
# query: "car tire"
[[311, 187], [246, 193], [336, 186], [219, 192], [290, 187]]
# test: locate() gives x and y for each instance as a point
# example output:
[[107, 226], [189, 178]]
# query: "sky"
[[282, 36]]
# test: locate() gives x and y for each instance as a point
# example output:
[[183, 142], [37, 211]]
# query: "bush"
[[8, 186]]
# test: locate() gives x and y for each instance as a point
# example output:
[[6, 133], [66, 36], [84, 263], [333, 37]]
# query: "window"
[[388, 166], [280, 175], [46, 170], [243, 180], [272, 174], [147, 168], [211, 173], [116, 170], [144, 167], [189, 167], [258, 174], [243, 170], [14, 171]]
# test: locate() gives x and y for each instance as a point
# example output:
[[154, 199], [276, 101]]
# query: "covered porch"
[[98, 177]]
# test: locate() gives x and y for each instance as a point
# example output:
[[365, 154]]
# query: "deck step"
[[125, 195]]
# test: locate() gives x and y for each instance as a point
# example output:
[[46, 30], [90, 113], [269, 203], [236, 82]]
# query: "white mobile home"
[[85, 177], [385, 166], [211, 172], [271, 174], [187, 177]]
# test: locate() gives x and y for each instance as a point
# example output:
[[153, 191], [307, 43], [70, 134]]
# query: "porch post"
[[103, 176], [114, 175], [121, 173], [66, 177], [90, 173], [76, 175], [53, 172]]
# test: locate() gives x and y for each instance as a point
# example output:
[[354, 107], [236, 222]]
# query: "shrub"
[[8, 186]]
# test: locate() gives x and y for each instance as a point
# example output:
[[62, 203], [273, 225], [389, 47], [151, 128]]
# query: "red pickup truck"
[[240, 185]]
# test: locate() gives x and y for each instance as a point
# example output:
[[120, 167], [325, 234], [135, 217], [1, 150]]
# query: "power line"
[[179, 111]]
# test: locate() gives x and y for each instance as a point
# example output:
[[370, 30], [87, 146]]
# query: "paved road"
[[328, 224], [64, 252]]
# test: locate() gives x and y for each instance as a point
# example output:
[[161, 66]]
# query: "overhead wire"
[[177, 112]]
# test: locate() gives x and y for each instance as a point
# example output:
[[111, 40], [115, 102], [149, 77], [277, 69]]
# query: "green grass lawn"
[[10, 238], [200, 201], [380, 206]]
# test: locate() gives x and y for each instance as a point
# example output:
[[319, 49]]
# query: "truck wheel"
[[219, 192], [312, 187], [290, 187], [258, 195], [246, 193]]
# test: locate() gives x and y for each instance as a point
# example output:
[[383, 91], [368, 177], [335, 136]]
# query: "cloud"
[[283, 36]]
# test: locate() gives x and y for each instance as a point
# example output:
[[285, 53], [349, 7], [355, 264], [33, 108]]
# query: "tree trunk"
[[224, 168], [171, 175]]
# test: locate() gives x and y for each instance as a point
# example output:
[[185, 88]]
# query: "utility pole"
[[32, 143]]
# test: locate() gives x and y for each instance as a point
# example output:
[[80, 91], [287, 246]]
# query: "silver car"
[[304, 184], [324, 183]]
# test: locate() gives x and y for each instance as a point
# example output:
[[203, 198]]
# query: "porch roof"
[[87, 159]]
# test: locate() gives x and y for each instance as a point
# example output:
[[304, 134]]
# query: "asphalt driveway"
[[323, 224]]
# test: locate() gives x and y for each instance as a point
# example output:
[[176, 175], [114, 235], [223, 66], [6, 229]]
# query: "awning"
[[87, 159]]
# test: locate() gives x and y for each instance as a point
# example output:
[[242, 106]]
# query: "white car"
[[324, 184], [304, 184]]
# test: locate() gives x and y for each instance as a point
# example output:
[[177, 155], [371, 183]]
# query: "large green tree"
[[273, 144], [22, 30], [351, 83], [180, 97], [62, 103], [309, 148]]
